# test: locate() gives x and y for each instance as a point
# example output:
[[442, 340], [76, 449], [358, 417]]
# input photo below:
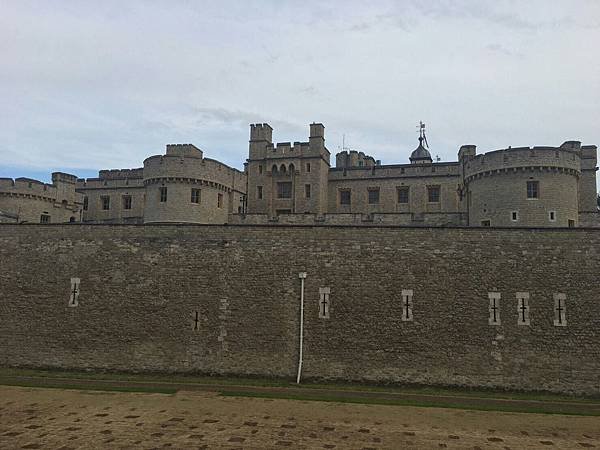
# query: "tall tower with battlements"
[[286, 178]]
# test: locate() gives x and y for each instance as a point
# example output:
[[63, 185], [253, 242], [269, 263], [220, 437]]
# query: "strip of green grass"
[[92, 387], [406, 402], [279, 382]]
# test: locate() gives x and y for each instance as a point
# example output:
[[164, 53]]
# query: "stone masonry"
[[225, 300]]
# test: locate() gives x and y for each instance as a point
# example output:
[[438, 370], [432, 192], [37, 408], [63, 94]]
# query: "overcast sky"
[[93, 85]]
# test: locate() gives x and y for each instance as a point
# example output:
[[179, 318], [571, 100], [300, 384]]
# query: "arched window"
[[274, 168], [282, 168], [292, 169], [72, 219]]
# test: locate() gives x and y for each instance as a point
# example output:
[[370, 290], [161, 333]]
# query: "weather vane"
[[422, 136]]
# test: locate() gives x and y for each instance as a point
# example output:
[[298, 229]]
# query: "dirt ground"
[[71, 419]]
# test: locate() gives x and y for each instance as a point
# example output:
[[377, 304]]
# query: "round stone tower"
[[526, 187], [183, 186]]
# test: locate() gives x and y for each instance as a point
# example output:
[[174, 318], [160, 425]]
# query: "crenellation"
[[514, 186]]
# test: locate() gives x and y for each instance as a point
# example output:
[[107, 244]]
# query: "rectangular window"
[[163, 194], [85, 203], [324, 305], [308, 167], [552, 216], [523, 308], [571, 223], [403, 194], [284, 190], [195, 195], [307, 190], [345, 197], [260, 169], [433, 194], [494, 298], [74, 297], [45, 218], [259, 192], [105, 200], [126, 202], [407, 305], [373, 196], [486, 223], [533, 189], [514, 216], [560, 310], [219, 200]]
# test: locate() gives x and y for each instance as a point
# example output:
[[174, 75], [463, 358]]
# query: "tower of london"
[[296, 183]]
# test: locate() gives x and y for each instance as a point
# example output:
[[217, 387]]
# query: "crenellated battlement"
[[121, 174], [354, 158], [261, 132], [565, 157], [187, 150]]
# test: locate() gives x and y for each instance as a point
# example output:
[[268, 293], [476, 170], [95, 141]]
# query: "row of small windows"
[[126, 200], [283, 169], [514, 216], [433, 195], [522, 310]]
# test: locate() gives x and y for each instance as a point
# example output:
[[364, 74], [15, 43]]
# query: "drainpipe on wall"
[[302, 276]]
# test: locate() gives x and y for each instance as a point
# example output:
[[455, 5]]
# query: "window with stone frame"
[[560, 310], [284, 189], [494, 308], [307, 190], [85, 203], [196, 195], [324, 304], [126, 201], [105, 202], [373, 196], [45, 218], [407, 305], [433, 194], [345, 197], [403, 192], [522, 308], [308, 167], [163, 194], [259, 192], [219, 200], [533, 189]]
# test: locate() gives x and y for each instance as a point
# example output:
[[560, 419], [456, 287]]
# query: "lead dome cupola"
[[420, 154]]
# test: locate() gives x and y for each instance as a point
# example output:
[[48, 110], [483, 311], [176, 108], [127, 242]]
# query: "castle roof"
[[420, 153]]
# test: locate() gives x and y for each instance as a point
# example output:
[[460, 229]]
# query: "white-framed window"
[[494, 298], [552, 216], [560, 310], [407, 305], [522, 308], [324, 303]]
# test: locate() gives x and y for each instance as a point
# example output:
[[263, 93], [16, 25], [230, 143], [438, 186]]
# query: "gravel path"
[[70, 419]]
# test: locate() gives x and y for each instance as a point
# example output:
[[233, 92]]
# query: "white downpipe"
[[302, 276]]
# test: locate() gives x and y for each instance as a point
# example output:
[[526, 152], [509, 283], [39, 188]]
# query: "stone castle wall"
[[27, 200], [225, 299]]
